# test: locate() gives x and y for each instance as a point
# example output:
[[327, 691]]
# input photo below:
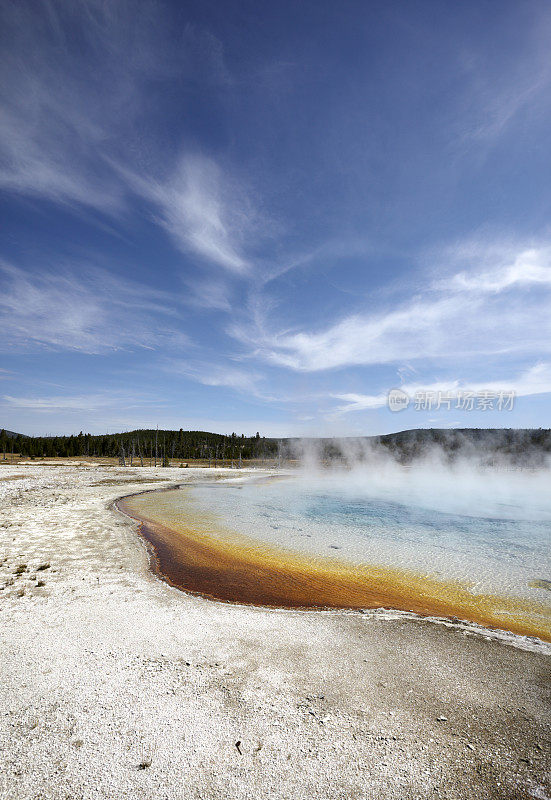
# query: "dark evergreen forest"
[[143, 445]]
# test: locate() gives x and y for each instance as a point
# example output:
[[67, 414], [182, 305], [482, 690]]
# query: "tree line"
[[144, 446], [521, 447]]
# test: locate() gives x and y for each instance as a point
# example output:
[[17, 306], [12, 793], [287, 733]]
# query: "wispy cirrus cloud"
[[501, 101], [468, 313], [424, 328], [499, 92], [81, 402], [205, 212], [83, 309], [499, 107], [223, 375], [57, 119], [66, 111], [529, 267], [208, 293]]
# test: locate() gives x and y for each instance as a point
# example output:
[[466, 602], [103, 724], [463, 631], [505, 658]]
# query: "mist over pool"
[[490, 529]]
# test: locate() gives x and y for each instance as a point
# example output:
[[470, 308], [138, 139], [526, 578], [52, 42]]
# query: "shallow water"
[[494, 535], [471, 546]]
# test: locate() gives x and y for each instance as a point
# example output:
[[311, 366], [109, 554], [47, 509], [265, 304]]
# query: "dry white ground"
[[115, 685]]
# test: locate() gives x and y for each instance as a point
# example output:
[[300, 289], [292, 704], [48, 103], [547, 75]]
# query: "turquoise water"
[[491, 531]]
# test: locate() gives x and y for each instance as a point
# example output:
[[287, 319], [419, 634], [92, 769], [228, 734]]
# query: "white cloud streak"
[[87, 310], [205, 213], [530, 267], [68, 403], [221, 375], [471, 313]]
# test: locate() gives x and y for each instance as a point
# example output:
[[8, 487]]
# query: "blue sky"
[[249, 216]]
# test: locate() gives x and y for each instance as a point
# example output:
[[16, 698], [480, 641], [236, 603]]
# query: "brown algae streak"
[[195, 553]]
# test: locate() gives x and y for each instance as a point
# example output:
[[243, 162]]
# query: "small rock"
[[441, 719], [526, 761], [238, 745], [470, 746], [44, 566], [40, 583]]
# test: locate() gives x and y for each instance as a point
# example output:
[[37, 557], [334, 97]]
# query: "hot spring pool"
[[479, 534]]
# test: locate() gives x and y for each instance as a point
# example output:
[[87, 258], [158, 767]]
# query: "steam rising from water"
[[460, 488], [458, 519], [473, 479]]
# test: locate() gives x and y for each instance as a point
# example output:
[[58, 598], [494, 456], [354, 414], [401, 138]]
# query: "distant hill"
[[529, 447], [11, 434]]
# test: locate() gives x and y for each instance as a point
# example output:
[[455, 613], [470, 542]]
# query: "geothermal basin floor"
[[113, 684]]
